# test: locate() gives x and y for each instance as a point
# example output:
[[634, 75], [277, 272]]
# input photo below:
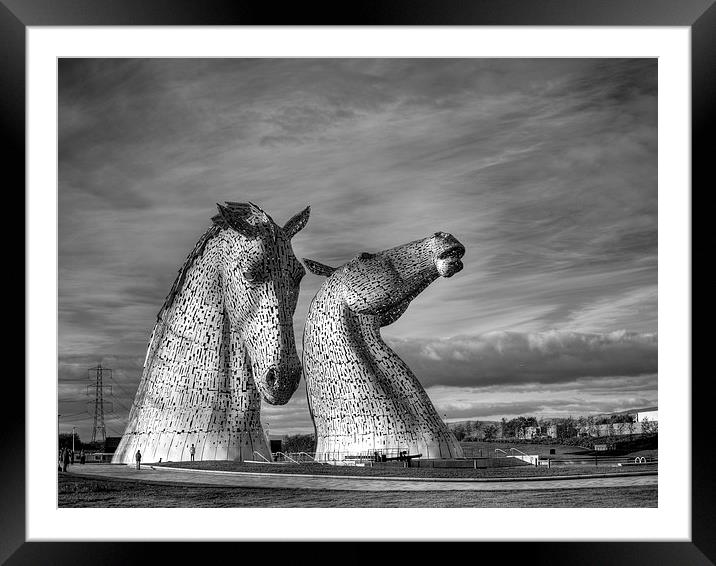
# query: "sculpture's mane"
[[242, 210]]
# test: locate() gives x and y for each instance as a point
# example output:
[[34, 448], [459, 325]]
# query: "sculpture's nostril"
[[271, 377]]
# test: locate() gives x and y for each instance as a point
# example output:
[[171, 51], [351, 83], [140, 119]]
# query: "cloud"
[[584, 397], [510, 358]]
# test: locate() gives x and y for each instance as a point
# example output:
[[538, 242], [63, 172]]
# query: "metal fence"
[[378, 455]]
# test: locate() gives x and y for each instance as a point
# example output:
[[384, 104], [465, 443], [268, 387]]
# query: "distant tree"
[[649, 427], [490, 432], [620, 428], [298, 443], [631, 425], [478, 430], [459, 431], [65, 441], [592, 426], [568, 429], [581, 425], [515, 427]]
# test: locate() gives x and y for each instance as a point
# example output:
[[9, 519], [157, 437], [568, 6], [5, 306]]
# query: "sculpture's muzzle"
[[448, 254], [279, 383]]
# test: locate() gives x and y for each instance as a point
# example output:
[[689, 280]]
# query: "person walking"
[[72, 457], [65, 460], [192, 451], [138, 458], [82, 457]]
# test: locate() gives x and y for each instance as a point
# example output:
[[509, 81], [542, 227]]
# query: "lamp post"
[[73, 439]]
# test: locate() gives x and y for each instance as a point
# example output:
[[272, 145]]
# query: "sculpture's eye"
[[254, 274]]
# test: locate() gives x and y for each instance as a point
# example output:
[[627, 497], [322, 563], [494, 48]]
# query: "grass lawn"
[[646, 447], [396, 471], [472, 449], [90, 492]]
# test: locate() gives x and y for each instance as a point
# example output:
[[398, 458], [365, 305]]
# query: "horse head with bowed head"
[[363, 398], [223, 339]]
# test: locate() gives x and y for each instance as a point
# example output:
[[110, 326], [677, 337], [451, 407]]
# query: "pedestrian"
[[65, 460], [72, 456], [192, 451], [138, 458], [59, 460], [82, 457]]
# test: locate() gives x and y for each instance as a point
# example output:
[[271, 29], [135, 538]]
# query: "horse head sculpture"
[[383, 284], [363, 398], [223, 339], [260, 277]]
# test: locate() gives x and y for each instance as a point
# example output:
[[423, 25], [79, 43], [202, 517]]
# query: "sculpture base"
[[336, 450], [176, 447]]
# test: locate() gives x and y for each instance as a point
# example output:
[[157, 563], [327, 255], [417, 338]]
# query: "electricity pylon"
[[97, 373]]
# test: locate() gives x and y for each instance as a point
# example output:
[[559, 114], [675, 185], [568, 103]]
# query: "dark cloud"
[[510, 358]]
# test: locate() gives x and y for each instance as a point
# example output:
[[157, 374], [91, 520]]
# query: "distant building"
[[530, 432], [623, 426], [561, 430], [650, 414], [616, 429]]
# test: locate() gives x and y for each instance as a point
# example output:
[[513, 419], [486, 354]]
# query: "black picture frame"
[[698, 15]]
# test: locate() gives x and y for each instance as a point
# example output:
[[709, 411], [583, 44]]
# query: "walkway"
[[353, 483]]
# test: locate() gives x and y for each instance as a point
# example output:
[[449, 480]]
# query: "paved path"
[[354, 483]]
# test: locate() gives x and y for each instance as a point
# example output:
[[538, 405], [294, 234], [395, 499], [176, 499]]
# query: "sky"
[[545, 169]]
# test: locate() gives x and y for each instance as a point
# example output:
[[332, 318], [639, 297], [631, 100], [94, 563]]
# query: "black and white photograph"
[[357, 282]]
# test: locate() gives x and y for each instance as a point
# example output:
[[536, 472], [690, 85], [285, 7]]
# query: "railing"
[[286, 457], [534, 460], [276, 457], [262, 456], [302, 455], [501, 450], [517, 450], [359, 456]]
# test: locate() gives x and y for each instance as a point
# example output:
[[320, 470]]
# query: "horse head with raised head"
[[362, 396], [383, 284]]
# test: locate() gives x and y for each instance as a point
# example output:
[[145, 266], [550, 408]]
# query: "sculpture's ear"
[[237, 223], [296, 223], [318, 268]]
